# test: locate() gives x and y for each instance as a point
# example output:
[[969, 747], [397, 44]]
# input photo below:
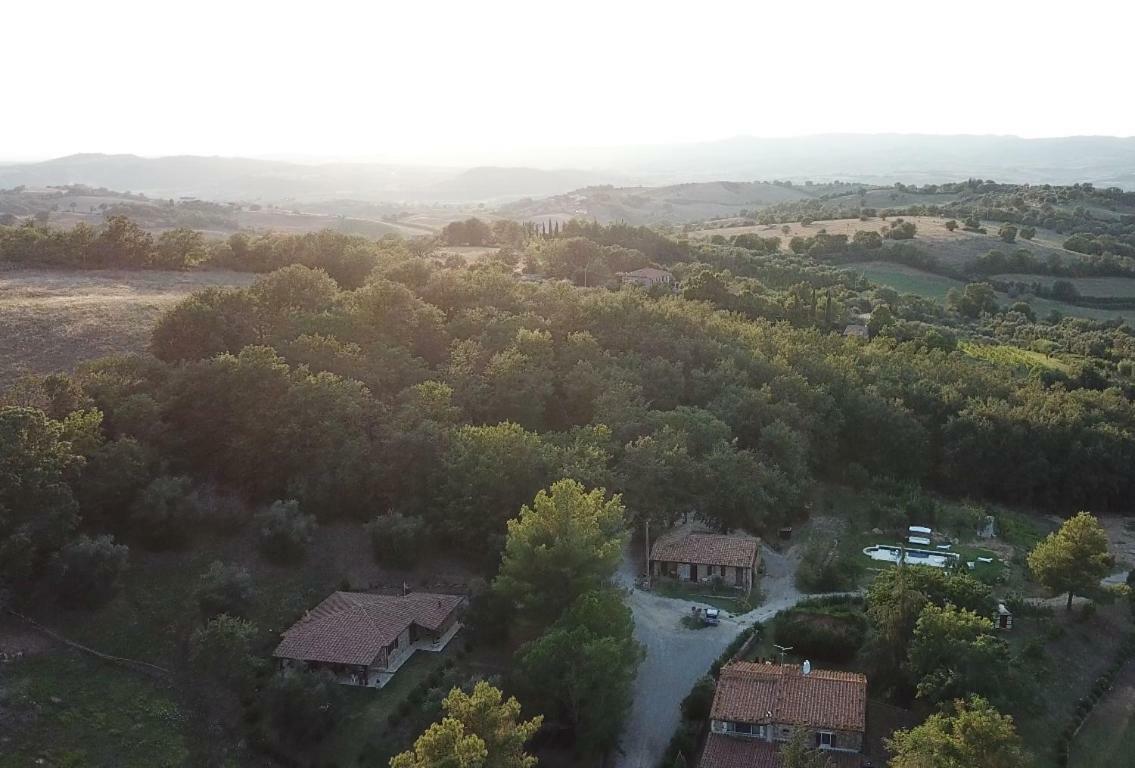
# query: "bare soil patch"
[[50, 320]]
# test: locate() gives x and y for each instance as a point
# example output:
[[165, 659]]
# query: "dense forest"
[[433, 401]]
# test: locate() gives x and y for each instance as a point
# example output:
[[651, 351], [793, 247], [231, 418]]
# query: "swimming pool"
[[913, 556]]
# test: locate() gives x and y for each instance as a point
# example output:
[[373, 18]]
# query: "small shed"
[[1004, 619]]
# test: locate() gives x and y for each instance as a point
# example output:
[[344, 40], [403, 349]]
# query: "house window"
[[824, 739], [742, 728]]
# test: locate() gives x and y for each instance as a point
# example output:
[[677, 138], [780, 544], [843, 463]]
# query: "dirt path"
[[676, 656]]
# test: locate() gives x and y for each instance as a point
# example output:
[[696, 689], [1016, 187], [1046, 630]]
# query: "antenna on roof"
[[783, 650], [807, 668]]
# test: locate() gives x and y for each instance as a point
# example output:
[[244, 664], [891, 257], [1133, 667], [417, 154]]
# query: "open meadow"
[[53, 319], [952, 249]]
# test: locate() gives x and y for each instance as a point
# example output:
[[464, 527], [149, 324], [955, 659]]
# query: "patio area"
[[380, 677]]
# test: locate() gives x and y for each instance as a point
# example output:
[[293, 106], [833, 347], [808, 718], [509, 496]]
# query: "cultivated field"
[[906, 279], [1110, 287], [953, 249], [53, 319]]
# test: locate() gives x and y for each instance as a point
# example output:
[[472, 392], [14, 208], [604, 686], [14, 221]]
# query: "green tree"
[[112, 476], [489, 471], [1074, 558], [86, 571], [1008, 233], [179, 248], [285, 531], [396, 539], [584, 667], [972, 734], [38, 513], [222, 650], [951, 225], [224, 589], [479, 730], [799, 753], [868, 239], [164, 513], [301, 707], [954, 652], [567, 543]]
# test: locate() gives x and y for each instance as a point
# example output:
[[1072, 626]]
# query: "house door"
[[694, 572]]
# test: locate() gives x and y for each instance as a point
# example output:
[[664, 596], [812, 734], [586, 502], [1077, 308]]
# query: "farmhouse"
[[647, 277], [756, 707], [705, 556], [363, 639]]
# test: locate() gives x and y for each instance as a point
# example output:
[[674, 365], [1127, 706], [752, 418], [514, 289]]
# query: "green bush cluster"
[[829, 633]]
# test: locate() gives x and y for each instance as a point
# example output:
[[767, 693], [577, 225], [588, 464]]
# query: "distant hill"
[[878, 158], [229, 178], [491, 182], [673, 204], [866, 159]]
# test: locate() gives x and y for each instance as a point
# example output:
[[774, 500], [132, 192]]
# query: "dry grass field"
[[954, 249], [50, 320]]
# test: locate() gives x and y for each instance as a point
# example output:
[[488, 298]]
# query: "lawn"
[[906, 279], [846, 523], [1107, 738], [363, 736], [1074, 652], [75, 711], [725, 599]]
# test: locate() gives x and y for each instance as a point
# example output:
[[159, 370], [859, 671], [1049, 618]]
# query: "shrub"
[[683, 744], [221, 510], [224, 589], [87, 570], [301, 707], [285, 531], [396, 539], [164, 513], [829, 634], [733, 647], [822, 570], [222, 650], [698, 701]]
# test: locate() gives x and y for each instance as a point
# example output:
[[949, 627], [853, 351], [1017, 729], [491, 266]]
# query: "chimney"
[[807, 668]]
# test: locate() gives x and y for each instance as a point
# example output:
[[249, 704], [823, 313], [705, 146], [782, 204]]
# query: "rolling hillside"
[[675, 204]]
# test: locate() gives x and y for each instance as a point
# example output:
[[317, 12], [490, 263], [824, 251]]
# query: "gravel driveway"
[[676, 657]]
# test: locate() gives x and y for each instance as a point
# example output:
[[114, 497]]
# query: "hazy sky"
[[423, 80]]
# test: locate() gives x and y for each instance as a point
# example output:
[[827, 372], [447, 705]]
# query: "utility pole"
[[646, 525]]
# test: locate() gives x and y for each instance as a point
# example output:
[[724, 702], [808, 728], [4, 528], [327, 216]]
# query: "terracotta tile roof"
[[706, 549], [732, 752], [782, 693], [737, 752], [352, 627]]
